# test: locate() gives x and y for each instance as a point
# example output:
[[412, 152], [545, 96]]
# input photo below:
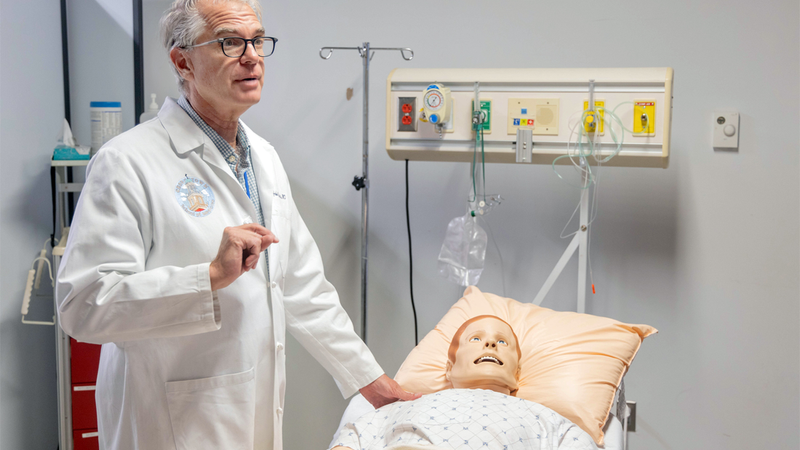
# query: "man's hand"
[[385, 390], [238, 253]]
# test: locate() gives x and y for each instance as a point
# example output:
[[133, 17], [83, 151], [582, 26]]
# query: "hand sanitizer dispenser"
[[152, 110]]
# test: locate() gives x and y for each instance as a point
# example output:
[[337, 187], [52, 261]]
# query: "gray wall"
[[31, 111], [100, 60], [706, 250]]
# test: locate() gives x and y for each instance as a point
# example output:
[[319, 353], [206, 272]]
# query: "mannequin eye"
[[502, 341], [475, 339]]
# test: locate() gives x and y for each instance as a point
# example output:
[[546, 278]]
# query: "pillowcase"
[[571, 363]]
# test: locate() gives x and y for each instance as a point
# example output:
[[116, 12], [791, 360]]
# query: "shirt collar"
[[222, 145]]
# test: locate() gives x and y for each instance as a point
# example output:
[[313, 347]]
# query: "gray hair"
[[182, 24]]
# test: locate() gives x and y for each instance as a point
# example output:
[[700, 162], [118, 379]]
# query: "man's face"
[[223, 82], [486, 356]]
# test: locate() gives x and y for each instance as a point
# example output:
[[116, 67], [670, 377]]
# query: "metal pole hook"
[[330, 52]]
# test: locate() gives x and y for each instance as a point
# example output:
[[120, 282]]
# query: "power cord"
[[411, 264]]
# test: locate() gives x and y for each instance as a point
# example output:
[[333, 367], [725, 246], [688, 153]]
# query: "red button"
[[406, 108]]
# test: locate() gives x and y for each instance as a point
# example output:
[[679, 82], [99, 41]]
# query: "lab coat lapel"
[[186, 136], [265, 178]]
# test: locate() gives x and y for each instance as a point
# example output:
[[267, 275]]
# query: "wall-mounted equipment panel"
[[633, 106]]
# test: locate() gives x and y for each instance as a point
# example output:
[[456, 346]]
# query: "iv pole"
[[366, 52], [579, 242]]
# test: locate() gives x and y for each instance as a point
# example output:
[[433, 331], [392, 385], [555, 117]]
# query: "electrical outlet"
[[406, 114]]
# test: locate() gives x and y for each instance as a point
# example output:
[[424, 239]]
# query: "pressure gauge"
[[436, 103], [433, 99]]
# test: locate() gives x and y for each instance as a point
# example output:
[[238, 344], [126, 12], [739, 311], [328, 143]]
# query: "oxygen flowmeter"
[[436, 105]]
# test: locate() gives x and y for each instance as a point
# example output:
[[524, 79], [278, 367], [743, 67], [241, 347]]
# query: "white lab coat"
[[183, 367]]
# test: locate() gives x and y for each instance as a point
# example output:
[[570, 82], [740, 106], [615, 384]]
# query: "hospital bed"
[[566, 356], [614, 430]]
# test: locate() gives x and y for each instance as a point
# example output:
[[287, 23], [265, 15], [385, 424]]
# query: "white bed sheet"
[[359, 406]]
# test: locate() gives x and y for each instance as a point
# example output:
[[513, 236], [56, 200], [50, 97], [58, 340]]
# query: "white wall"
[[706, 250]]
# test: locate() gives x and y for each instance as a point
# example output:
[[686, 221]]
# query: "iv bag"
[[463, 252]]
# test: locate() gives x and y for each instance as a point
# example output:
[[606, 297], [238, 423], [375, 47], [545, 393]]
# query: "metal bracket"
[[631, 416], [524, 145]]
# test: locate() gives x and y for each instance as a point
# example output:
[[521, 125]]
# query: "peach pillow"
[[572, 363]]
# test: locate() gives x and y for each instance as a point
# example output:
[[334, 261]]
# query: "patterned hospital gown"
[[464, 419]]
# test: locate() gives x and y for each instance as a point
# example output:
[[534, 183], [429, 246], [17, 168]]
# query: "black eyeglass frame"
[[252, 42]]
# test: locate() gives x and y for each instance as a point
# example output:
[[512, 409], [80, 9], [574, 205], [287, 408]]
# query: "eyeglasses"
[[235, 47]]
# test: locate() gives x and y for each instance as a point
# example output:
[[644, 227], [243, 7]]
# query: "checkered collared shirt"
[[243, 171]]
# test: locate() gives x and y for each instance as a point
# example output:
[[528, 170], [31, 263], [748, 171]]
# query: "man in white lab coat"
[[188, 260]]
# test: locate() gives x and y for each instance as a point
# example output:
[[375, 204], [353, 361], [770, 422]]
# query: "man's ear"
[[447, 368], [182, 62]]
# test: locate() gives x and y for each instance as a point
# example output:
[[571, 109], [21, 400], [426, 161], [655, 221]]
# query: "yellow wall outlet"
[[591, 122], [644, 117]]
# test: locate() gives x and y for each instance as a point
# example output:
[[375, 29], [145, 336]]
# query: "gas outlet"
[[644, 118], [486, 115], [592, 123]]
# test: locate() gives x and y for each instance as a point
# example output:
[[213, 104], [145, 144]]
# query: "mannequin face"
[[486, 357]]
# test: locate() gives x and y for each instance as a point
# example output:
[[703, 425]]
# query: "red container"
[[84, 362], [84, 410], [86, 440]]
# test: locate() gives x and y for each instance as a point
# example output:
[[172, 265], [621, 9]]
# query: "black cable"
[[138, 62], [67, 105], [65, 60], [70, 206], [411, 264]]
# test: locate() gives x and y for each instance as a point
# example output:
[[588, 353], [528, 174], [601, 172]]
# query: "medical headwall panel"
[[429, 114]]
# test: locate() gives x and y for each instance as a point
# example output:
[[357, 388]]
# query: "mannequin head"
[[484, 354]]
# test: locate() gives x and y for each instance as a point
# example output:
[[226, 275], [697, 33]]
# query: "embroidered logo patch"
[[195, 196]]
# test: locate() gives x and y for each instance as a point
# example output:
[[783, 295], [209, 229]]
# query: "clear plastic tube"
[[580, 152]]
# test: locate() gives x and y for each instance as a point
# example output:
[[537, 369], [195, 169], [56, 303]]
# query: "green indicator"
[[486, 107]]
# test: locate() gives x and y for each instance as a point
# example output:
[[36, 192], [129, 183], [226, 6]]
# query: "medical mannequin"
[[479, 412], [484, 355]]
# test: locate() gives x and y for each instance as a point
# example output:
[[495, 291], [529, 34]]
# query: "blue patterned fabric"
[[464, 419]]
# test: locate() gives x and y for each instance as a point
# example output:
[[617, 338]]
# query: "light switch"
[[726, 130]]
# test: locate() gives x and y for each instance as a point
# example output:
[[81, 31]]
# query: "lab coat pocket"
[[213, 413]]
